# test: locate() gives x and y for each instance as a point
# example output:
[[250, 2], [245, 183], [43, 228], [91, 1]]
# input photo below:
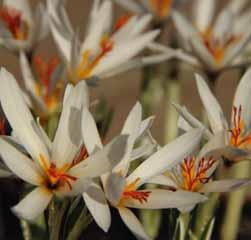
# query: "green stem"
[[81, 224], [56, 215], [172, 95], [182, 226], [26, 230], [204, 214], [235, 202]]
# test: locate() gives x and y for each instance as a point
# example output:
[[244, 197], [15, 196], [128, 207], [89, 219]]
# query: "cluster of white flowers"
[[76, 161]]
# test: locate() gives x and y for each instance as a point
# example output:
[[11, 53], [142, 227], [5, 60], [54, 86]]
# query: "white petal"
[[130, 128], [184, 27], [68, 138], [212, 107], [242, 98], [22, 6], [204, 11], [90, 133], [167, 157], [159, 199], [226, 185], [133, 223], [19, 164], [191, 120], [130, 5], [27, 75], [19, 116], [34, 204], [163, 180], [145, 126], [237, 6], [96, 203], [124, 52], [103, 160], [99, 25]]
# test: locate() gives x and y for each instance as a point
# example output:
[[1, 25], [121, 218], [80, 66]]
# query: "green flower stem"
[[182, 226], [206, 211], [26, 230], [81, 224], [55, 220], [235, 202], [204, 214], [172, 95]]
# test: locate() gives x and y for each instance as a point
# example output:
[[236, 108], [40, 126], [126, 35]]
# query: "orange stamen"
[[123, 20], [194, 175], [45, 72], [238, 137], [131, 192], [217, 49], [161, 7], [56, 177], [12, 19], [2, 127]]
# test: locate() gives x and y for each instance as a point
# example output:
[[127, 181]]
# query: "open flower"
[[46, 91], [123, 189], [20, 28], [214, 43], [106, 50], [61, 167], [159, 8], [195, 174], [233, 140]]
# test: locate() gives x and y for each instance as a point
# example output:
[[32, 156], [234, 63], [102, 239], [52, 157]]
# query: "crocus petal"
[[167, 157], [226, 185], [133, 223], [22, 6], [95, 200], [21, 165], [32, 205], [28, 78], [200, 50], [99, 25], [130, 5], [68, 138], [237, 6], [90, 133], [163, 180], [103, 160], [145, 126], [114, 187], [223, 26], [159, 199], [212, 107], [242, 96], [130, 128], [19, 116], [236, 49], [204, 11], [191, 120], [123, 52]]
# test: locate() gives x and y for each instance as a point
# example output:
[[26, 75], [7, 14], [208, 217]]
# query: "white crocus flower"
[[195, 174], [45, 92], [213, 42], [61, 167], [20, 28], [106, 50], [233, 140], [122, 189], [159, 8]]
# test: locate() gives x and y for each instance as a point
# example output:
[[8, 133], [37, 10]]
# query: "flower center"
[[45, 89], [88, 61], [215, 47], [12, 19], [195, 175], [131, 192], [238, 136], [56, 177], [161, 7]]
